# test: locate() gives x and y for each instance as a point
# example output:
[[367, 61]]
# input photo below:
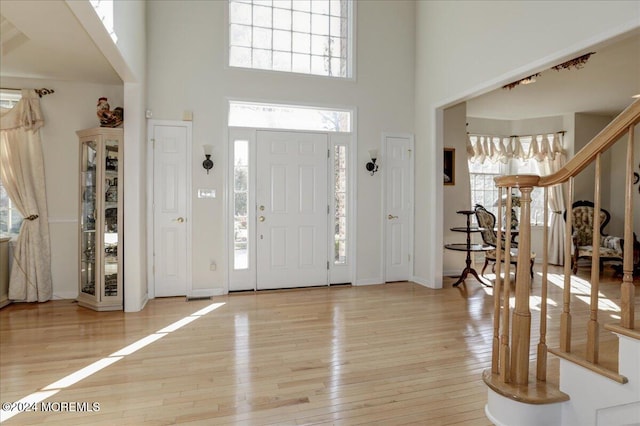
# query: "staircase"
[[592, 389]]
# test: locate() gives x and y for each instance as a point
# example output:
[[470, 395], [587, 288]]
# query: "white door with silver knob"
[[292, 228], [398, 172], [170, 220]]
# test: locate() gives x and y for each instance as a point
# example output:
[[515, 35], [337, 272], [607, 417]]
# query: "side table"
[[468, 248]]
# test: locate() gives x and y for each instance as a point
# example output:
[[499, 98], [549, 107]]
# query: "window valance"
[[25, 114], [502, 149]]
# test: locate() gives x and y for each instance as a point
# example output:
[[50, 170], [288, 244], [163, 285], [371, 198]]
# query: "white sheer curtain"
[[549, 151], [549, 165], [22, 174]]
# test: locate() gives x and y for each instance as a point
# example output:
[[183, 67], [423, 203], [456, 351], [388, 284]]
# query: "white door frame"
[[150, 203], [383, 230], [249, 134]]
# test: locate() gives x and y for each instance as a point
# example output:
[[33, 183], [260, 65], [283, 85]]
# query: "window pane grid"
[[317, 41]]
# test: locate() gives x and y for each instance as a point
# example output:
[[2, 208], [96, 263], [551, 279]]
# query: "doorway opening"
[[291, 204]]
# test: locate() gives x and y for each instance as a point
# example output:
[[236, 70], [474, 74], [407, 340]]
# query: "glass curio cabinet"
[[100, 219]]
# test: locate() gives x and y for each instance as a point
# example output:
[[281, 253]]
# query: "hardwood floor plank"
[[390, 354]]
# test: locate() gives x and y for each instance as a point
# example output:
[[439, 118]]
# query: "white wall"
[[188, 71], [586, 127], [466, 48], [456, 197], [72, 107], [130, 26]]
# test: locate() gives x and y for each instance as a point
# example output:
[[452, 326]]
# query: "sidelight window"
[[240, 204]]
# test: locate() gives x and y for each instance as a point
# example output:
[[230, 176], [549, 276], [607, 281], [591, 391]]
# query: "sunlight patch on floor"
[[93, 368]]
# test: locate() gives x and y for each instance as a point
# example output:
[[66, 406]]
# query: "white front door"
[[170, 208], [292, 209], [398, 218]]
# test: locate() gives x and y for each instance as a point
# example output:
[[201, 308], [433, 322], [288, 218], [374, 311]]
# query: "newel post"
[[521, 316], [521, 319]]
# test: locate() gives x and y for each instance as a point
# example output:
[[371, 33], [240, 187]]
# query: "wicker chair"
[[487, 223], [582, 235]]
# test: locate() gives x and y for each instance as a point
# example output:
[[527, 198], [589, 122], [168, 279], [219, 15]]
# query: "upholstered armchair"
[[582, 235]]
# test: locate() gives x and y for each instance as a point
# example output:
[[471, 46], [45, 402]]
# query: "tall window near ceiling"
[[302, 36]]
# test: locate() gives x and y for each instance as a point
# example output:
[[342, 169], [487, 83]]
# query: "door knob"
[[180, 220], [261, 218], [392, 217]]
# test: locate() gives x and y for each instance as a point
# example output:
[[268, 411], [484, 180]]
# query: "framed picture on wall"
[[449, 166]]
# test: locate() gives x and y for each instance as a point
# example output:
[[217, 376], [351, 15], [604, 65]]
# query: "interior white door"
[[399, 213], [292, 215], [170, 209]]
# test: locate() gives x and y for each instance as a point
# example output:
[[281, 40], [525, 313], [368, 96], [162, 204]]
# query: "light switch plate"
[[206, 193]]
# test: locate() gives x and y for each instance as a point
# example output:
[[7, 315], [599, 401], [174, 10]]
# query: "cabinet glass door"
[[88, 180], [110, 239]]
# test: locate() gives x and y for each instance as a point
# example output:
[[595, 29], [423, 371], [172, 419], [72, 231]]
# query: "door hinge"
[[327, 265], [153, 143], [328, 209], [328, 153], [409, 258]]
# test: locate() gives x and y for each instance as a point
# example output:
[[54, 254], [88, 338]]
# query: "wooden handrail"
[[512, 330], [600, 143]]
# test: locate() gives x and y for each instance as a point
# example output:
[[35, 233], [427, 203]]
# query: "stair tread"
[[535, 392]]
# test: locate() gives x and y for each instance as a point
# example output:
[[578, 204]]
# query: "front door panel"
[[292, 209]]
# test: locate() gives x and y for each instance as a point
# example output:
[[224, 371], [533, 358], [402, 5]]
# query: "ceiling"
[[43, 39], [604, 86]]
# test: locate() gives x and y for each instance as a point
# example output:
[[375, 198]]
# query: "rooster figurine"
[[107, 117]]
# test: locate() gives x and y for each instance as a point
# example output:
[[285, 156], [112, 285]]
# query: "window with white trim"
[[340, 199], [301, 36], [289, 117], [485, 192], [240, 204], [10, 218]]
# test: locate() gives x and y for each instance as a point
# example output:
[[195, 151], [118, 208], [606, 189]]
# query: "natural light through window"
[[101, 364], [340, 193], [302, 36], [240, 200], [10, 217], [104, 9], [483, 187], [278, 116]]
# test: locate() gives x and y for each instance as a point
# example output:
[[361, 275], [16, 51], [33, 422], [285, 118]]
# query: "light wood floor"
[[390, 354]]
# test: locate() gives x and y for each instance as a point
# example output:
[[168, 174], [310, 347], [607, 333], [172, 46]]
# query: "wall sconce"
[[207, 163], [371, 166]]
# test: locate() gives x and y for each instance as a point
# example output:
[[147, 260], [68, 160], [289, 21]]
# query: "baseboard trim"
[[203, 293], [423, 282], [64, 295], [369, 281]]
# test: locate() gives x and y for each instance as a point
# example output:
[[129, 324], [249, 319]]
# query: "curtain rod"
[[40, 92], [560, 132]]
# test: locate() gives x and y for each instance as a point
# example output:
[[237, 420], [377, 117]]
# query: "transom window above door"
[[301, 36], [289, 117]]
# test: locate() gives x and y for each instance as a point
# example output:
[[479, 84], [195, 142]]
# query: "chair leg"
[[574, 265], [486, 262], [531, 269]]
